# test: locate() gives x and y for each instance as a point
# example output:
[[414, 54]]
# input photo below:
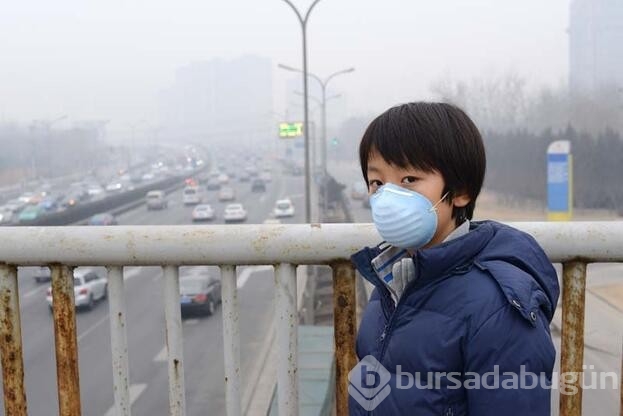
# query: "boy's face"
[[429, 184]]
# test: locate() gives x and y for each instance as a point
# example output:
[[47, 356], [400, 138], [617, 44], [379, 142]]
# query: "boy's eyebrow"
[[373, 169]]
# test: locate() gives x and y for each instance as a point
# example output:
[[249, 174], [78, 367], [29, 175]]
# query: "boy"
[[458, 323]]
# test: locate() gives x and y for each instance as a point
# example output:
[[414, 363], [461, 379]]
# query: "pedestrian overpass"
[[285, 247]]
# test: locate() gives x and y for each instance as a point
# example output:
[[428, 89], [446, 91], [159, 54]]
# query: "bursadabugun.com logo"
[[369, 383]]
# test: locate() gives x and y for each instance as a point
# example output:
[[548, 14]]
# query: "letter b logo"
[[369, 383]]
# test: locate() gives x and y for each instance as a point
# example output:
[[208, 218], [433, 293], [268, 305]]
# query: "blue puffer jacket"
[[483, 300]]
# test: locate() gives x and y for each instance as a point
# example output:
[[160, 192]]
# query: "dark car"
[[200, 290], [258, 185], [213, 185], [102, 219]]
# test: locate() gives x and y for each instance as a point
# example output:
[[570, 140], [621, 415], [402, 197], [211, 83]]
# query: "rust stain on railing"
[[65, 340], [344, 309], [572, 348], [11, 344]]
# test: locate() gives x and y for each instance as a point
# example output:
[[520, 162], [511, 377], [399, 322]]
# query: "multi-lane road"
[[203, 340]]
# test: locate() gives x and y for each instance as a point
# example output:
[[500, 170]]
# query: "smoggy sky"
[[109, 59]]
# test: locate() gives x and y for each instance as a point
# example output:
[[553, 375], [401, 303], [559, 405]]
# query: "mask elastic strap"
[[434, 207]]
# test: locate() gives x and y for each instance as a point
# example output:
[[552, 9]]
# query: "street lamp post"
[[323, 85], [303, 22], [321, 104]]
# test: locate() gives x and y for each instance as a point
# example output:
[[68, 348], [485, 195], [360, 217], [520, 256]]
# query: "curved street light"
[[323, 84], [303, 21]]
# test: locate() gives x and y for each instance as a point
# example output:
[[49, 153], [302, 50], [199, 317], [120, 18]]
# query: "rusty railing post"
[[11, 343], [66, 342], [572, 344], [344, 324]]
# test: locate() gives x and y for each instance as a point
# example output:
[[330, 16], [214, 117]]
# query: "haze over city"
[[111, 60]]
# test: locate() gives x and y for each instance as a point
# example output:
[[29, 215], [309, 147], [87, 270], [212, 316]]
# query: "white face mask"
[[404, 218]]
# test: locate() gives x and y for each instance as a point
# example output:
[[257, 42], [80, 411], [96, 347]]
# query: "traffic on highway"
[[275, 202]]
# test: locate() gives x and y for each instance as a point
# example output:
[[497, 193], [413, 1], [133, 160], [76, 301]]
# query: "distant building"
[[220, 99], [595, 45]]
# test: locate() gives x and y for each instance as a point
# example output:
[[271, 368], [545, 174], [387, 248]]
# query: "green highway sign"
[[290, 130]]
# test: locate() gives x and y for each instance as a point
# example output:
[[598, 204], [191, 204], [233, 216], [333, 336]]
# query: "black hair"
[[430, 137]]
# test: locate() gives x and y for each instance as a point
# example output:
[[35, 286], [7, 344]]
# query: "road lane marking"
[[247, 272], [93, 327], [135, 391], [35, 291]]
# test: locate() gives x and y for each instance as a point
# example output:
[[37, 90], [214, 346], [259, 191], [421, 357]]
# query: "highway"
[[203, 349]]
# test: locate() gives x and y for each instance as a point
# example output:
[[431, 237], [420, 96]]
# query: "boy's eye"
[[409, 179], [374, 184]]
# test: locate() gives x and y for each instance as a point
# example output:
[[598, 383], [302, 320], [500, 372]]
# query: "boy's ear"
[[461, 199]]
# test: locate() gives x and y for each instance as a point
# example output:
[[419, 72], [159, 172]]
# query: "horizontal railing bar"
[[262, 244]]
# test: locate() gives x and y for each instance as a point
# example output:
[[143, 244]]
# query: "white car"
[[5, 215], [114, 187], [203, 212], [223, 178], [283, 208], [266, 176], [192, 195], [226, 194], [156, 200], [234, 212], [90, 285]]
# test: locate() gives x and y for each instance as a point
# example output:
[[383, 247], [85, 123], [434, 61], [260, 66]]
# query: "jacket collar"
[[436, 261]]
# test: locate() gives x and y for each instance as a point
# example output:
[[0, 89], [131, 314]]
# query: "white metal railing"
[[283, 246]]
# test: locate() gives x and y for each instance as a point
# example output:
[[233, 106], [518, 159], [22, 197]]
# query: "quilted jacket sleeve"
[[510, 359]]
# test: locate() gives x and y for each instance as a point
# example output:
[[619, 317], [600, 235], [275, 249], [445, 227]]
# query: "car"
[[26, 197], [223, 178], [148, 177], [234, 212], [114, 187], [6, 215], [90, 285], [266, 176], [203, 212], [102, 219], [226, 194], [192, 195], [244, 177], [213, 185], [14, 205], [30, 213], [200, 289], [71, 200], [50, 203], [95, 191], [283, 208], [156, 199], [358, 191], [258, 185], [41, 274]]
